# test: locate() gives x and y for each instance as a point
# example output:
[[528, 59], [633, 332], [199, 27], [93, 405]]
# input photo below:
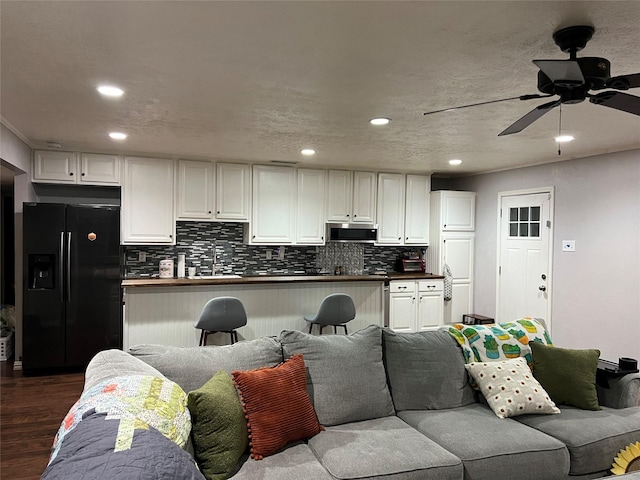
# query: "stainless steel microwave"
[[352, 232]]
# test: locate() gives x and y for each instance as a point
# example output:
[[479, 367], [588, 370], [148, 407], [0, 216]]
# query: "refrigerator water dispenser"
[[41, 271]]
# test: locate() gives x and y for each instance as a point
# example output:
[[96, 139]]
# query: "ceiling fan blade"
[[521, 97], [624, 82], [618, 100], [529, 118], [561, 72]]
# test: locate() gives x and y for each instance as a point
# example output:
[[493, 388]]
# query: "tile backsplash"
[[199, 240]]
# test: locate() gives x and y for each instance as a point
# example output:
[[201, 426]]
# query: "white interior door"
[[524, 256]]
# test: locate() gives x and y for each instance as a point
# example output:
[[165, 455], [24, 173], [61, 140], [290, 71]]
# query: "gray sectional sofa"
[[393, 406]]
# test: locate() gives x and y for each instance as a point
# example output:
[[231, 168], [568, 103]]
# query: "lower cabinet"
[[416, 305]]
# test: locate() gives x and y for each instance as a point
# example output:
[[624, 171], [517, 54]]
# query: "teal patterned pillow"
[[487, 343]]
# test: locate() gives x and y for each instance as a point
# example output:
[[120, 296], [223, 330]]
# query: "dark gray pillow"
[[426, 371], [192, 367], [345, 374]]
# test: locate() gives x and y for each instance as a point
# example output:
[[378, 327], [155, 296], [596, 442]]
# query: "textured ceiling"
[[258, 81]]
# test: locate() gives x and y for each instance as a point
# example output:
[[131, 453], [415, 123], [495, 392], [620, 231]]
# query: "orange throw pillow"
[[276, 405]]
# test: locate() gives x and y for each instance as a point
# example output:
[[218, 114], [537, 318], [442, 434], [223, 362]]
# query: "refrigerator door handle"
[[61, 269], [69, 267]]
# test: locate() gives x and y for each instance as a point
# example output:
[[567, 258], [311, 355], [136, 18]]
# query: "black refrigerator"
[[72, 303]]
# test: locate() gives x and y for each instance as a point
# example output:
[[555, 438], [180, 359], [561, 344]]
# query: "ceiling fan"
[[573, 80]]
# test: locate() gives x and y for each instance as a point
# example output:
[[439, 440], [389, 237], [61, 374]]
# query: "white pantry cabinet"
[[415, 305], [74, 168], [391, 199], [195, 190], [273, 210], [351, 197], [147, 213], [233, 192], [416, 222], [310, 225]]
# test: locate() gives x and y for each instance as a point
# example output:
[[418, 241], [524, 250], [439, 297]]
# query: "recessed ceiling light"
[[455, 161], [118, 135], [307, 151], [110, 91], [563, 138], [379, 121]]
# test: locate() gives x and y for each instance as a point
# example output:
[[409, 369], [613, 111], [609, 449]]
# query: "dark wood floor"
[[31, 410]]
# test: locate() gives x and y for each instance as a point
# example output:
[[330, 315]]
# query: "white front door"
[[524, 256]]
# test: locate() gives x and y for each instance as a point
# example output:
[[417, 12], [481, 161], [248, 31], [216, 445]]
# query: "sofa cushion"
[[510, 388], [219, 429], [192, 367], [295, 462], [485, 343], [490, 447], [276, 406], [346, 379], [383, 448], [425, 370], [592, 437], [569, 376]]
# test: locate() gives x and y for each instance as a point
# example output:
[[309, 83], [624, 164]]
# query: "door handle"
[[69, 267], [542, 288]]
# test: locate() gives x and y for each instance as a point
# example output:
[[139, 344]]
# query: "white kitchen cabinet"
[[310, 225], [455, 248], [457, 210], [415, 305], [147, 212], [351, 197], [391, 199], [416, 223], [233, 192], [99, 169], [73, 168], [54, 167], [273, 210], [195, 190]]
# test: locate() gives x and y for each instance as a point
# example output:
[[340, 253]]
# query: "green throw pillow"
[[568, 376], [219, 428]]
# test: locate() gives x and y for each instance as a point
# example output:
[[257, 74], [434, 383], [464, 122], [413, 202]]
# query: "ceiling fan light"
[[564, 138], [110, 91], [455, 162], [379, 121]]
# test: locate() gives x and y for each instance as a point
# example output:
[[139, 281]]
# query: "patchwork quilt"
[[130, 427]]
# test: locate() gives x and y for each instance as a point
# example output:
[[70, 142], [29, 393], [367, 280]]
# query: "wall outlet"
[[568, 245], [142, 256]]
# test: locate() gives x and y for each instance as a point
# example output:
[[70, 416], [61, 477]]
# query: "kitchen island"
[[163, 311]]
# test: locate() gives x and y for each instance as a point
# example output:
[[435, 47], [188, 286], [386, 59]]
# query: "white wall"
[[17, 155], [596, 289]]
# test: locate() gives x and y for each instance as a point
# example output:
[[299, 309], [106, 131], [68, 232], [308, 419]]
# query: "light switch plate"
[[568, 245]]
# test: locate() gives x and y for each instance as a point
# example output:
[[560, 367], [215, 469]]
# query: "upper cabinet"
[[456, 210], [391, 200], [195, 190], [73, 168], [416, 222], [351, 197], [233, 191], [147, 213], [310, 223], [273, 205]]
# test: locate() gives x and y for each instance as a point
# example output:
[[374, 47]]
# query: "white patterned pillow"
[[510, 388]]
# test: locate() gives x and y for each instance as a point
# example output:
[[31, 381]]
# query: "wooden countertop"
[[270, 279]]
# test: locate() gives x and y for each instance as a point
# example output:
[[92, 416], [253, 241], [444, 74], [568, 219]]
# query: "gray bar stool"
[[335, 310], [221, 314]]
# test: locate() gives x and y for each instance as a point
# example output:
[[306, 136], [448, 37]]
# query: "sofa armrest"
[[621, 392]]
